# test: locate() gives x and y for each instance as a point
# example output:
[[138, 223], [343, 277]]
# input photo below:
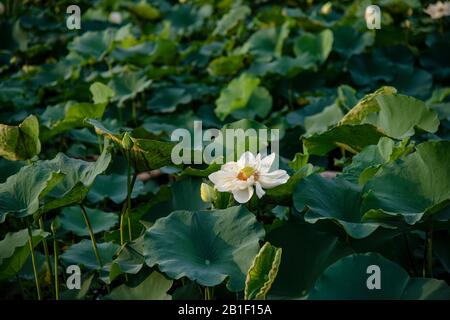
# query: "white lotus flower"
[[115, 17], [438, 10], [240, 177]]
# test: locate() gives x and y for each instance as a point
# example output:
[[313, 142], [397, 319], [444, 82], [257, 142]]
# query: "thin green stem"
[[133, 181], [130, 185], [410, 256], [133, 112], [46, 252], [91, 234], [429, 245], [33, 261], [122, 215], [128, 211], [55, 255], [100, 144], [209, 293]]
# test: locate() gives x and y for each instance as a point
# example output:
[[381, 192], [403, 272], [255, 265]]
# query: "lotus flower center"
[[246, 173]]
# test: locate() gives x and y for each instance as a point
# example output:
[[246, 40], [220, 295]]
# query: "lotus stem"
[[410, 256], [33, 261], [127, 206], [122, 214], [91, 234], [47, 255], [209, 293], [55, 262], [429, 251]]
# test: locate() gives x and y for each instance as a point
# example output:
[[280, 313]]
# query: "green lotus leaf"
[[318, 46], [267, 42], [130, 258], [348, 41], [399, 116], [78, 177], [145, 154], [128, 85], [205, 246], [351, 137], [82, 254], [101, 93], [62, 118], [307, 252], [183, 194], [15, 249], [299, 161], [231, 19], [433, 59], [283, 193], [321, 121], [382, 113], [27, 271], [262, 272], [373, 68], [149, 154], [154, 287], [142, 54], [400, 5], [226, 65], [413, 82], [412, 189], [53, 74], [20, 194], [71, 219], [236, 95], [101, 129], [112, 187], [347, 97], [259, 104], [142, 10], [335, 199], [62, 180], [367, 163], [204, 173], [249, 131], [86, 282], [167, 99], [20, 142], [93, 45], [165, 124], [284, 66], [350, 279], [366, 106], [9, 168], [16, 92]]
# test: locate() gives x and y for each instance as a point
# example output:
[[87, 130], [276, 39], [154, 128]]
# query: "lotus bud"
[[54, 226], [326, 8], [207, 193], [115, 17], [127, 143]]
